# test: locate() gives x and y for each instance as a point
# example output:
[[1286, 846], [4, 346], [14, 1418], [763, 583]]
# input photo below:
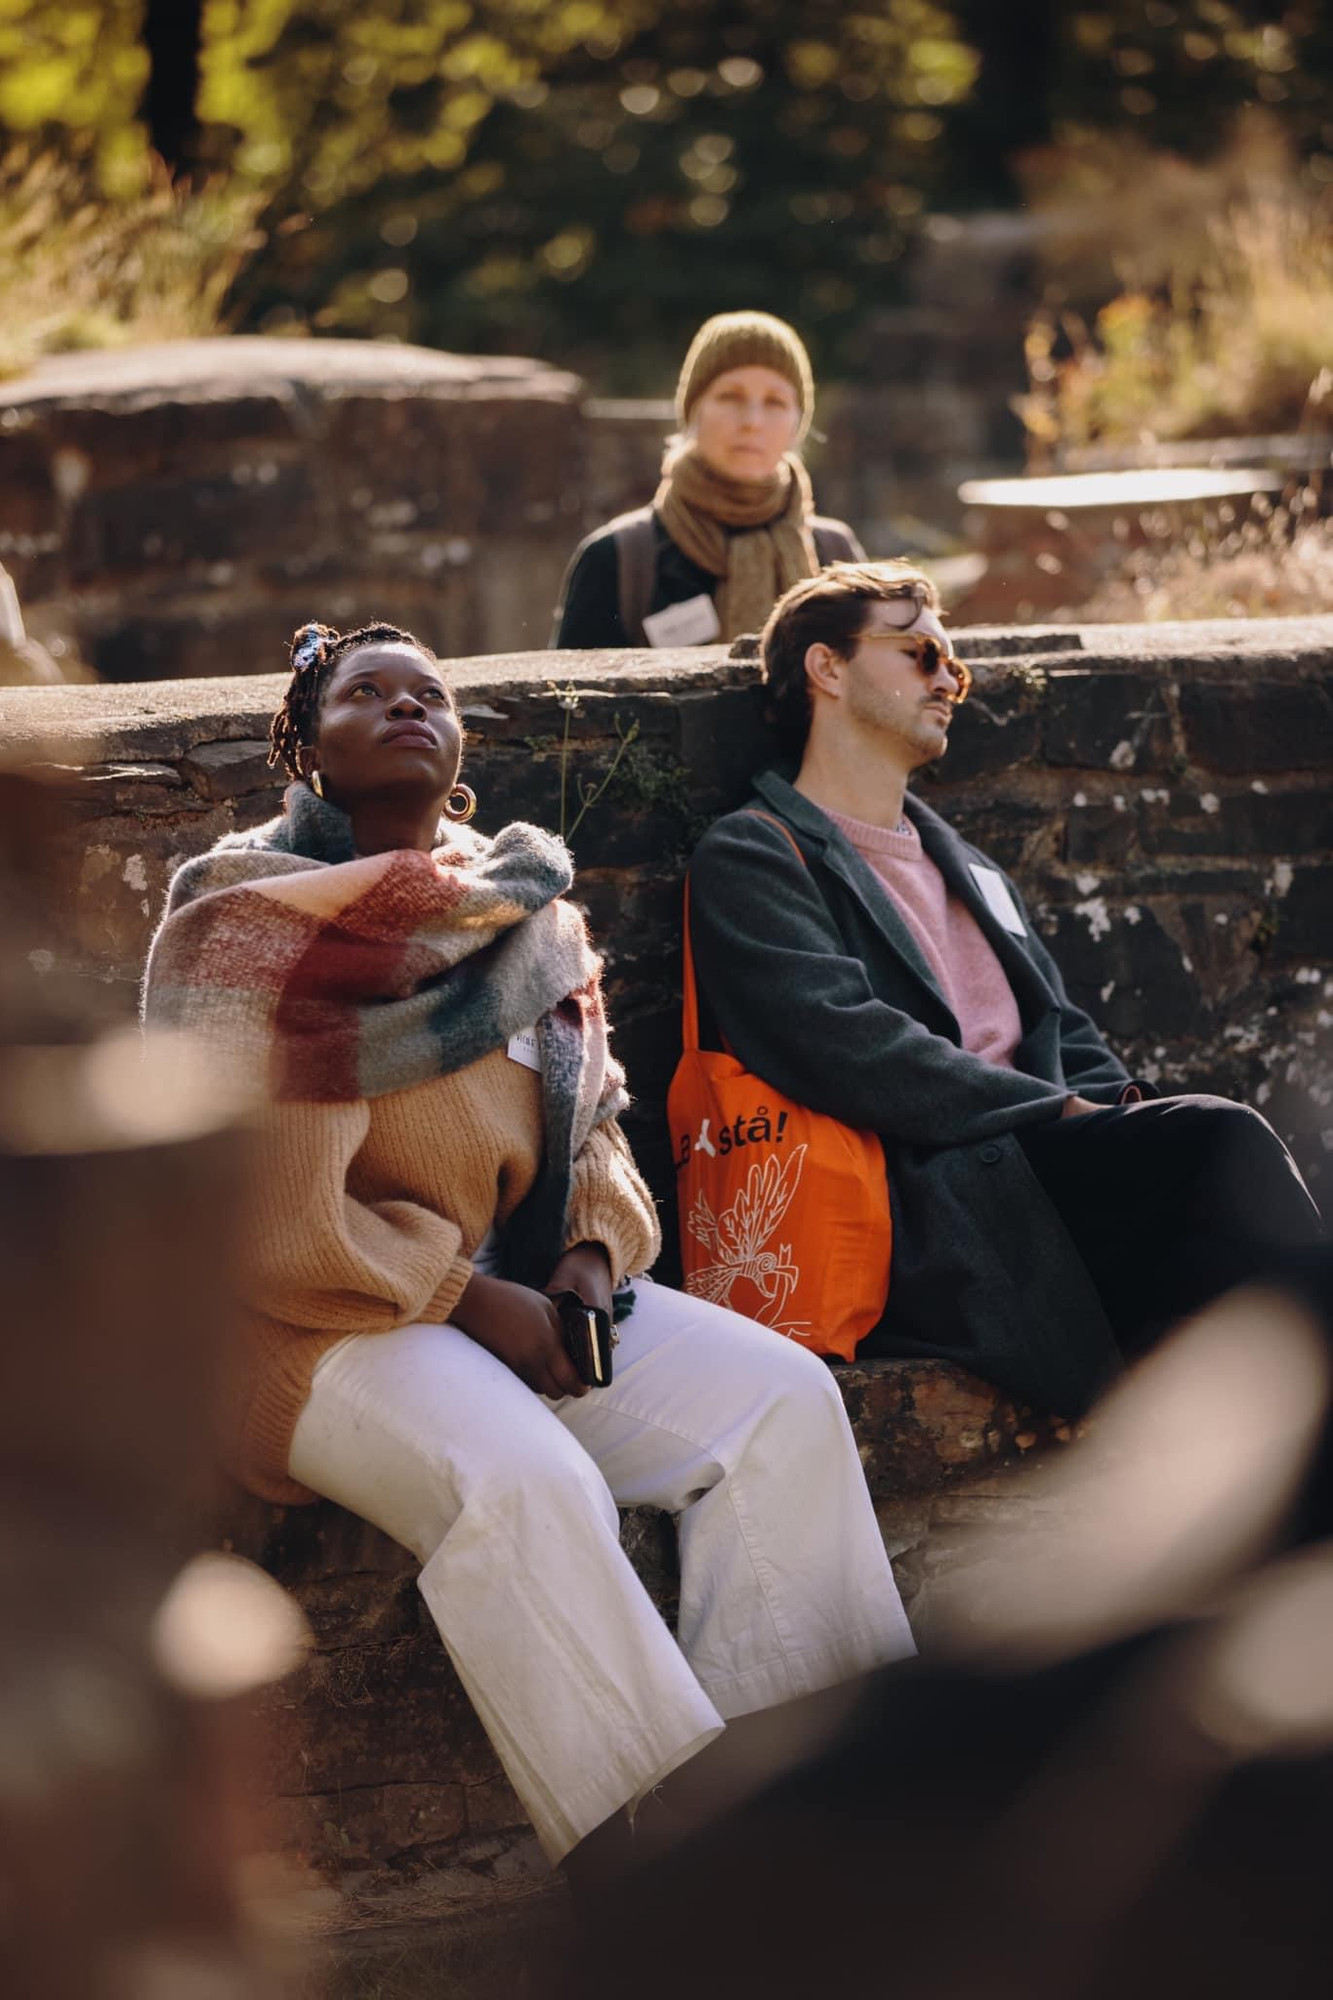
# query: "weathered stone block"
[[109, 440], [30, 507], [400, 462], [387, 481], [1016, 832], [721, 741], [1245, 822], [503, 616], [312, 1544], [1263, 725], [379, 1716], [229, 770], [368, 1829], [222, 634], [997, 728], [102, 790], [1100, 833], [344, 1612], [1104, 720], [1125, 968], [1303, 917], [493, 1807], [172, 525], [459, 464]]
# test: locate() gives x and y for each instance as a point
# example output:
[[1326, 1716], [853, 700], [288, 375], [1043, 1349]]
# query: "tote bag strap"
[[689, 998], [782, 829], [689, 993]]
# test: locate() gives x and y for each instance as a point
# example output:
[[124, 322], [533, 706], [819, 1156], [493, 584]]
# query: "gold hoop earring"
[[465, 808], [317, 784]]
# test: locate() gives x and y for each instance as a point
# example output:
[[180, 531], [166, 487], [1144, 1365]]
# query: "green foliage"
[[632, 168], [1236, 340], [587, 791], [1180, 70], [647, 778], [326, 99], [585, 179], [76, 69], [81, 272]]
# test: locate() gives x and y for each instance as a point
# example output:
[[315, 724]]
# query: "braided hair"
[[315, 650]]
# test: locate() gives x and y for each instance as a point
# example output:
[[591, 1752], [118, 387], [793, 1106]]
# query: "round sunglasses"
[[930, 653]]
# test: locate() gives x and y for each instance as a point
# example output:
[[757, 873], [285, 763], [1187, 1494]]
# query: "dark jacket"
[[816, 982], [589, 613]]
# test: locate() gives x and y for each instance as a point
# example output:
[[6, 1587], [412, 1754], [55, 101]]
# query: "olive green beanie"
[[745, 340]]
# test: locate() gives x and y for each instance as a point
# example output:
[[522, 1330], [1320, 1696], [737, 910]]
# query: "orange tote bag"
[[784, 1212]]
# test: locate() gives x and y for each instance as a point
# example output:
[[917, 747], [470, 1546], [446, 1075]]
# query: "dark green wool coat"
[[815, 980]]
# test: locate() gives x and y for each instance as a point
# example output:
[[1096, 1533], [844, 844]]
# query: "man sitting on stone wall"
[[1051, 1215]]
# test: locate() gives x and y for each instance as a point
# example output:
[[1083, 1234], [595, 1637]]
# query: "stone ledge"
[[164, 718], [1159, 807], [133, 378]]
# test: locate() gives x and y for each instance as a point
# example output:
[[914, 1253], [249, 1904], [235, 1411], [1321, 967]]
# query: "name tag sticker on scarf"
[[692, 623], [995, 891], [523, 1049]]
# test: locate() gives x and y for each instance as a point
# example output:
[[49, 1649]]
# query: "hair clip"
[[309, 647]]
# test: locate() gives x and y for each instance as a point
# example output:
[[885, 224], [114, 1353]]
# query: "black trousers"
[[1170, 1203]]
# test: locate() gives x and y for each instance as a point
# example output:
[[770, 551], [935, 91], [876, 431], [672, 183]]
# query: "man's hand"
[[586, 1269], [1076, 1106], [521, 1328]]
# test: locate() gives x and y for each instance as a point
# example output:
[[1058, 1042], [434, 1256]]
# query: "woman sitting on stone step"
[[733, 524], [442, 1155]]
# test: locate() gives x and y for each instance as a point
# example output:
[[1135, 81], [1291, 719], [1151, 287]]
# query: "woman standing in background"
[[733, 523]]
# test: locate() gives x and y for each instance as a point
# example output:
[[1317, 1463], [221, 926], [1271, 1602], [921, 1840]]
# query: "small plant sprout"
[[586, 791]]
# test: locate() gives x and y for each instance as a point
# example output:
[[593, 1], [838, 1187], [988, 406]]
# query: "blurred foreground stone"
[[124, 1826]]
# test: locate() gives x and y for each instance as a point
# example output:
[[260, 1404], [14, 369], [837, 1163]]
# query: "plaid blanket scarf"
[[340, 976]]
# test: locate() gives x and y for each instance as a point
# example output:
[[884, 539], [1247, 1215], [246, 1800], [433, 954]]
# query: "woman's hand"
[[586, 1269], [521, 1328]]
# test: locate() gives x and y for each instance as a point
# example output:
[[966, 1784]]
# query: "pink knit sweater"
[[955, 947]]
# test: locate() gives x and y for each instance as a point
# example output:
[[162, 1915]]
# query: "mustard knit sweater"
[[365, 1216]]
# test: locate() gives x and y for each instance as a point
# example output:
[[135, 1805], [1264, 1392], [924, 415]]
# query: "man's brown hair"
[[827, 610]]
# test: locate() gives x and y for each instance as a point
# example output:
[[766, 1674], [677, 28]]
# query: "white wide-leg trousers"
[[509, 1501]]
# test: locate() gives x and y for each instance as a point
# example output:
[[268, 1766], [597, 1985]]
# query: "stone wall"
[[1161, 794], [177, 509]]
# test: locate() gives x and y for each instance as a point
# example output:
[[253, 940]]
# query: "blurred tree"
[[73, 73], [1180, 70], [636, 171], [1018, 50], [1175, 73], [172, 31], [589, 177]]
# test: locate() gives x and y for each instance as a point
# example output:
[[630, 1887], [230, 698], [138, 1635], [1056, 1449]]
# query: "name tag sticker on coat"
[[999, 902], [692, 623], [523, 1049]]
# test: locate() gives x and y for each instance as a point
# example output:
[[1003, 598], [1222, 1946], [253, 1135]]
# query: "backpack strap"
[[832, 543], [636, 570]]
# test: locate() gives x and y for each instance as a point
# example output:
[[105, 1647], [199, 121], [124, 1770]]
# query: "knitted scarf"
[[338, 976], [770, 546]]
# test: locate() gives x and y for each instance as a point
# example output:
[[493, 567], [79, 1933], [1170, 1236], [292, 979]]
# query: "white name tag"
[[523, 1049], [692, 623], [998, 900]]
